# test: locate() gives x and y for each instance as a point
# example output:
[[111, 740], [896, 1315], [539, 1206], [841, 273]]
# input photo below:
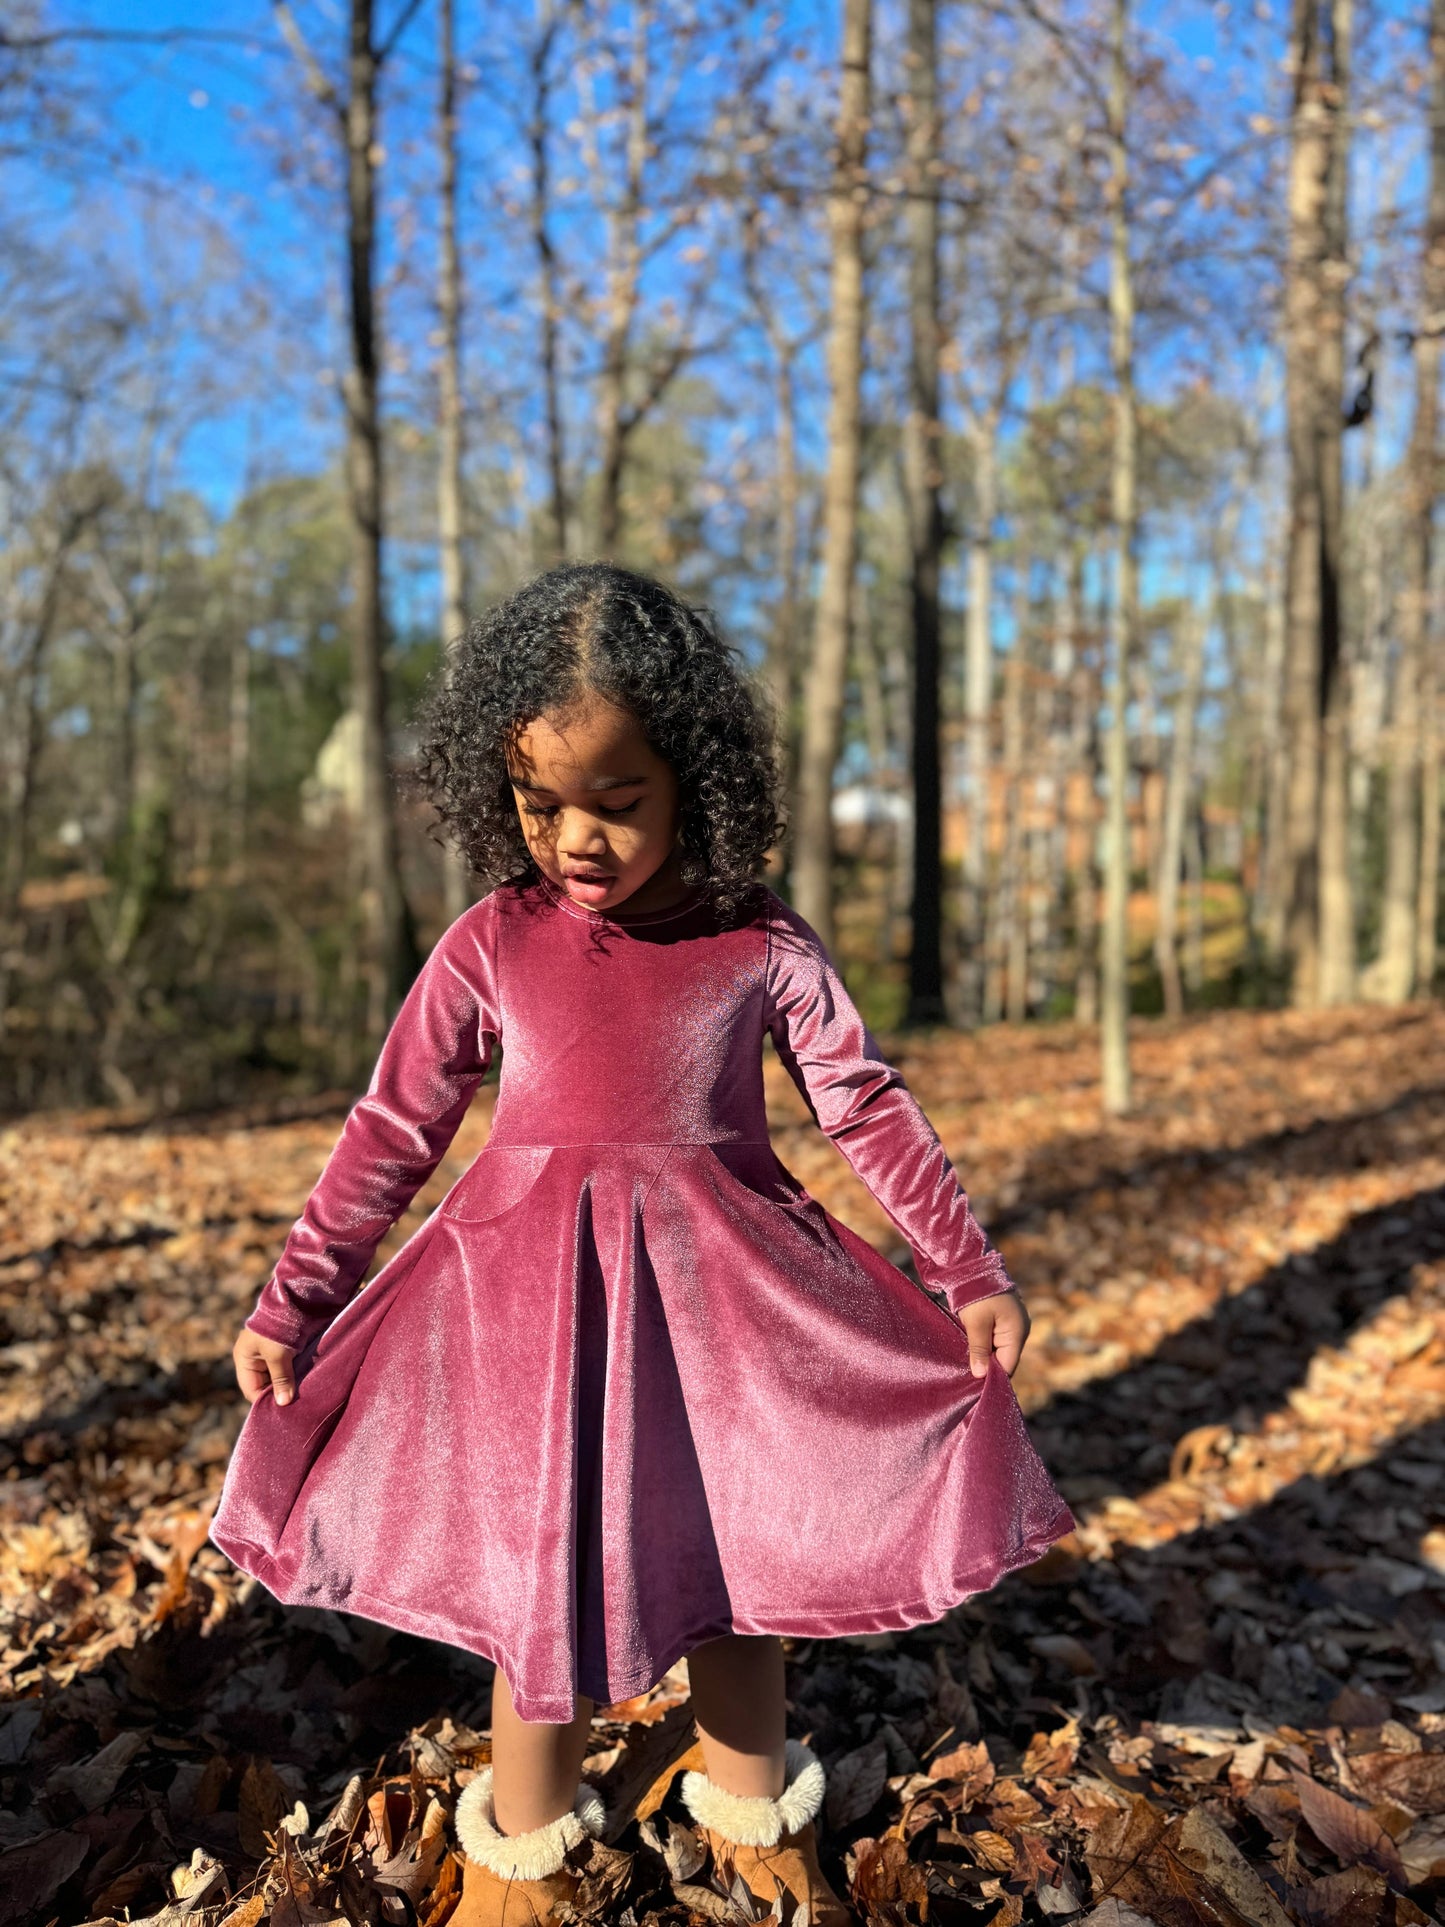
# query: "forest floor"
[[1221, 1700]]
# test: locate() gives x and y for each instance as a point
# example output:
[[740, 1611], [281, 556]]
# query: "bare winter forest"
[[1044, 394]]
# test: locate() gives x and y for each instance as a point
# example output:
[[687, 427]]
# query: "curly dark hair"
[[588, 627]]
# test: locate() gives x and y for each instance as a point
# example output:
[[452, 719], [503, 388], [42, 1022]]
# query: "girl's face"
[[598, 807]]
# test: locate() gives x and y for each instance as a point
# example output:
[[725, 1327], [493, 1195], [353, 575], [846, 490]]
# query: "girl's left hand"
[[998, 1324]]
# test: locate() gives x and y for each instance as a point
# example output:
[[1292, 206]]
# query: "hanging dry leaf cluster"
[[1221, 1700]]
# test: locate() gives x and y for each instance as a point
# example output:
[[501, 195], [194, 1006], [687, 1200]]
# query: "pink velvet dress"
[[629, 1386]]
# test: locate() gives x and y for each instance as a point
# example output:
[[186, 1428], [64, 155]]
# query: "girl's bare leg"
[[535, 1765], [741, 1711]]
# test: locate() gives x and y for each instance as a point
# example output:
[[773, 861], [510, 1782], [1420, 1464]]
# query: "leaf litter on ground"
[[1221, 1699]]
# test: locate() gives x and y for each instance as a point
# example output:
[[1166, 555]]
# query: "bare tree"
[[1412, 858], [1318, 932], [786, 347], [828, 668], [559, 503], [393, 955], [1124, 609], [449, 397], [923, 469], [1193, 623], [641, 223], [71, 519]]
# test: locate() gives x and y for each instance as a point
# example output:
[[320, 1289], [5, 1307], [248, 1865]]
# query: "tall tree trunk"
[[977, 701], [622, 294], [1427, 907], [1337, 910], [1114, 959], [1084, 740], [922, 452], [1405, 907], [1014, 930], [558, 537], [1271, 900], [238, 749], [32, 730], [1318, 933], [1177, 800], [783, 631], [1194, 871], [827, 671], [455, 878], [393, 958]]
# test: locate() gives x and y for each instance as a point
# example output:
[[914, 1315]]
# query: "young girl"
[[629, 1393]]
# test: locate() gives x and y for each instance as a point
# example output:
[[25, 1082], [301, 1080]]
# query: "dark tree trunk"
[[827, 672], [1318, 936], [923, 469]]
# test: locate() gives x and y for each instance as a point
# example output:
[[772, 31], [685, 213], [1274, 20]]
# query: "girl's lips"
[[588, 889]]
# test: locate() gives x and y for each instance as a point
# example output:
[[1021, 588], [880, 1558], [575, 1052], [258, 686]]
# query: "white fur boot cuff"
[[523, 1856], [756, 1820]]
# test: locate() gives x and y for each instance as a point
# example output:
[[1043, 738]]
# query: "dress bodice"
[[640, 1031]]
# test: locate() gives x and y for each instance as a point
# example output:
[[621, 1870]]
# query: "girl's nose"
[[582, 835]]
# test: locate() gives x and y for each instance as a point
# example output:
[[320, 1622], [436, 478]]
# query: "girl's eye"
[[549, 809]]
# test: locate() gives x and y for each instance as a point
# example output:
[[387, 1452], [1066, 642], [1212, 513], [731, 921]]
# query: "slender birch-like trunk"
[[1114, 958], [977, 701], [783, 631], [1013, 920], [827, 672], [557, 539], [1177, 799], [623, 288], [1407, 904]]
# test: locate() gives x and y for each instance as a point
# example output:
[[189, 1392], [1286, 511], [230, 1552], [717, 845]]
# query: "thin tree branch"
[[315, 74], [404, 20], [25, 43], [1032, 11]]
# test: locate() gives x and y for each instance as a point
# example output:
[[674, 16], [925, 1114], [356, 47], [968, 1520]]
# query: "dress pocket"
[[496, 1181], [757, 1168]]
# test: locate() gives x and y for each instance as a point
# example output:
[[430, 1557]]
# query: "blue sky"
[[199, 125]]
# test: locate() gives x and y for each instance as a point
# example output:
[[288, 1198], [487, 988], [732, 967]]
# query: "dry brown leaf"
[[1358, 1897], [248, 1914], [856, 1783], [1416, 1779], [1052, 1754], [1065, 1653], [93, 1781], [1202, 1846], [883, 1876], [652, 1756], [1351, 1833], [441, 1901], [190, 1532], [262, 1800], [970, 1765], [1114, 1913]]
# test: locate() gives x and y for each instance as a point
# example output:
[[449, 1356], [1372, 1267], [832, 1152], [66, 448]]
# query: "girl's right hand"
[[262, 1362]]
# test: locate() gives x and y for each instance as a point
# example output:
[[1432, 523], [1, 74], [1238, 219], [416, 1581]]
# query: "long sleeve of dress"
[[861, 1102], [435, 1054]]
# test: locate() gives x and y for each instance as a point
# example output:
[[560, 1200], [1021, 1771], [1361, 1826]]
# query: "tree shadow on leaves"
[[1245, 1357]]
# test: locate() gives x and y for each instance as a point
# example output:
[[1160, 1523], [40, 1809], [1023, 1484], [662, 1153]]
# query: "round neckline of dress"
[[564, 902]]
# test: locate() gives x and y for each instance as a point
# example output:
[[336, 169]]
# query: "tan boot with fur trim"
[[771, 1843], [519, 1879]]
